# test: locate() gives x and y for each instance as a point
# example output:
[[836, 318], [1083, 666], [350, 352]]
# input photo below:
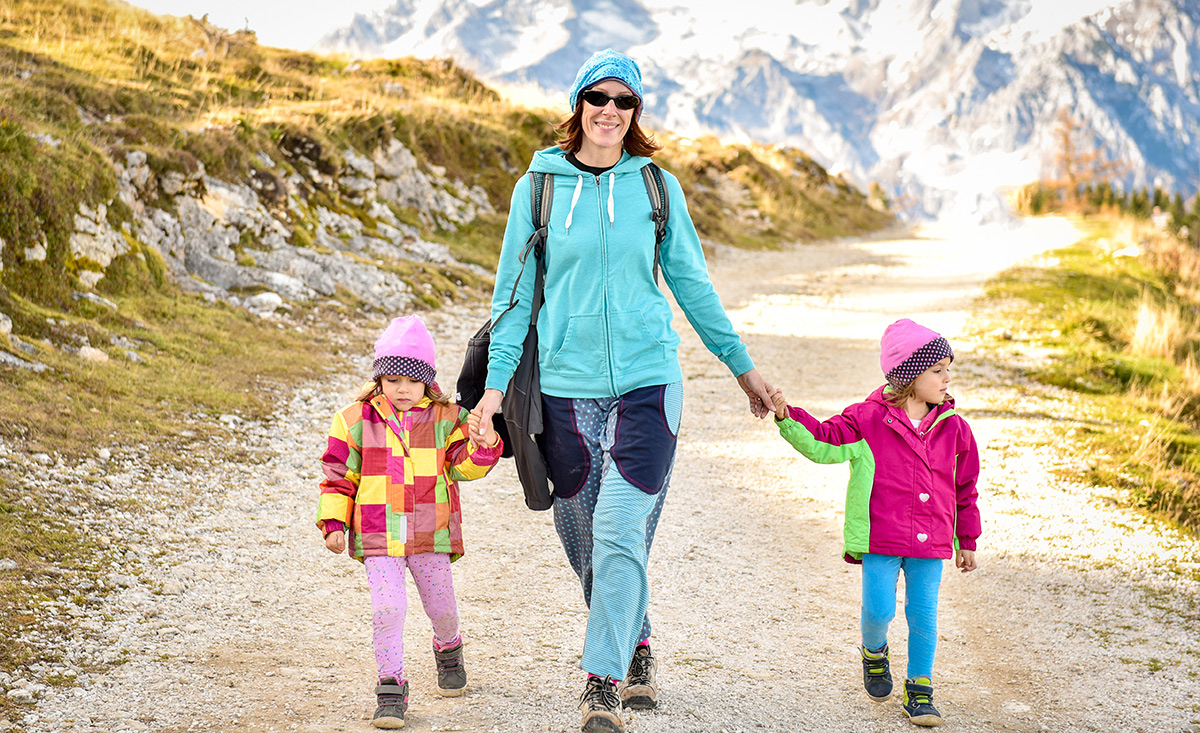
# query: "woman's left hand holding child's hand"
[[965, 559]]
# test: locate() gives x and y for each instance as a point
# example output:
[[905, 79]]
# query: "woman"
[[610, 374]]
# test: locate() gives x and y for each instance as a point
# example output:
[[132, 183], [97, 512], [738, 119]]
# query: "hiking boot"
[[601, 706], [918, 702], [877, 673], [392, 700], [452, 674], [638, 690]]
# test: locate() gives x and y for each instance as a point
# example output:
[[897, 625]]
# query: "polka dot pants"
[[607, 529]]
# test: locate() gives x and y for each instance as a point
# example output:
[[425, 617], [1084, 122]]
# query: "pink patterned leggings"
[[385, 578]]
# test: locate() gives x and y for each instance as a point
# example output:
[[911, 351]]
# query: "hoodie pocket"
[[635, 345], [584, 348]]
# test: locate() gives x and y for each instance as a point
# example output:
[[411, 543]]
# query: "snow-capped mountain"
[[943, 101]]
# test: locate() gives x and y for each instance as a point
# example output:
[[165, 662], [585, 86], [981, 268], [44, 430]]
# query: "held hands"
[[965, 559], [781, 405], [336, 541], [480, 433], [479, 424], [758, 391]]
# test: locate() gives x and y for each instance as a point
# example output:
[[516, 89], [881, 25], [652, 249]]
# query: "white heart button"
[[923, 497], [922, 537]]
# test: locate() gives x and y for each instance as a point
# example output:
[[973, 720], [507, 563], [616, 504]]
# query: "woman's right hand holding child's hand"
[[480, 434], [781, 406], [336, 541]]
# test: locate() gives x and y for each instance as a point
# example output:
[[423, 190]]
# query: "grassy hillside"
[[1114, 318], [84, 83]]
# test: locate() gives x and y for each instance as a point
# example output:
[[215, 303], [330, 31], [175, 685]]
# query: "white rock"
[[263, 303], [21, 696], [5, 325], [91, 353]]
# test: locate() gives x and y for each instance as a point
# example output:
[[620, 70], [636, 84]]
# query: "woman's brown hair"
[[568, 134], [374, 388]]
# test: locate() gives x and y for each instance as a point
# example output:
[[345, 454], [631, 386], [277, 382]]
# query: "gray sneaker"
[[601, 706], [392, 700], [452, 673], [638, 690]]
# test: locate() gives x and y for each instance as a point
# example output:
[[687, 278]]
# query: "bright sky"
[[301, 23], [298, 24]]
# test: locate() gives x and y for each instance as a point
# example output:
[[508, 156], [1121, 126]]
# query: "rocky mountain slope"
[[263, 177]]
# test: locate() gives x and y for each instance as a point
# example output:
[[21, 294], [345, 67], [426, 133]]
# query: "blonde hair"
[[374, 388], [899, 396]]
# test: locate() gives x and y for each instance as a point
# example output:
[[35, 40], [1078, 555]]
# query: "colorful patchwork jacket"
[[912, 490], [392, 478]]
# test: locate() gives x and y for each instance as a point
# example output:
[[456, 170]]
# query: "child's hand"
[[336, 541], [781, 406], [478, 434], [965, 559]]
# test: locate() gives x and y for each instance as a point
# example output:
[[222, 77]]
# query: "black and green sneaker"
[[392, 703], [918, 703], [877, 673]]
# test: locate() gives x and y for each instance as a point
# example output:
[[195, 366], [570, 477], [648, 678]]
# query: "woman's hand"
[[488, 437], [758, 391], [965, 559], [480, 421], [336, 541]]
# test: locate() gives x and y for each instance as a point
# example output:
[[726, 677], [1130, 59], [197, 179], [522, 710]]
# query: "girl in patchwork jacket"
[[910, 503], [392, 465]]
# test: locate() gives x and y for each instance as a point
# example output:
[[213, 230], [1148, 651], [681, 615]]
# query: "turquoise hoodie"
[[605, 327]]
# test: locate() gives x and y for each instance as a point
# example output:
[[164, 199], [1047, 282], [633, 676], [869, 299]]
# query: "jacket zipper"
[[612, 380]]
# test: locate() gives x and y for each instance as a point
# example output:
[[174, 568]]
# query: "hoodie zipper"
[[612, 381]]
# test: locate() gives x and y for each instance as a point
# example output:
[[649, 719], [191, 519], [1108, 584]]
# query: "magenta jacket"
[[912, 490]]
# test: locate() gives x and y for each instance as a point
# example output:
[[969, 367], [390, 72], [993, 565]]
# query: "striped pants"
[[607, 525]]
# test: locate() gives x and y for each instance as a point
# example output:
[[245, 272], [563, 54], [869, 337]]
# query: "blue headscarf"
[[604, 65]]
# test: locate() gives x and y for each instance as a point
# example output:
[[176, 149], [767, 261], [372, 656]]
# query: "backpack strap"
[[539, 205], [660, 208], [536, 244]]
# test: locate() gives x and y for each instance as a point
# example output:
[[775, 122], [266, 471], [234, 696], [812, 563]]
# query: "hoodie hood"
[[554, 160]]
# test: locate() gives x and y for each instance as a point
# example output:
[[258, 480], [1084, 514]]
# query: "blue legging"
[[922, 577]]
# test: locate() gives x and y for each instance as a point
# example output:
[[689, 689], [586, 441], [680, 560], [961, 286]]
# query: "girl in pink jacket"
[[910, 503]]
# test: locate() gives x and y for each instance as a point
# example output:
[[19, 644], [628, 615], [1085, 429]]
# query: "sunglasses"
[[598, 98]]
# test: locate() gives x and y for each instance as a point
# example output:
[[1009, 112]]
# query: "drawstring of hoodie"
[[574, 200], [612, 206]]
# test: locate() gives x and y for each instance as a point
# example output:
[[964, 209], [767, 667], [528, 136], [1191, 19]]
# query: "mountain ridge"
[[946, 104]]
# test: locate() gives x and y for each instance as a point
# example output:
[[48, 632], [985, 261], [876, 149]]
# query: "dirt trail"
[[1070, 624]]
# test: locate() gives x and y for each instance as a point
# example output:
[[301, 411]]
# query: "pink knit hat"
[[406, 348], [907, 349]]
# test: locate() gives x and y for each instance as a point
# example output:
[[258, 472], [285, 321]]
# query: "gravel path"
[[233, 617]]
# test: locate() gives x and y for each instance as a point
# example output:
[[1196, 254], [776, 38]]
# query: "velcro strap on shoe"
[[391, 690]]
